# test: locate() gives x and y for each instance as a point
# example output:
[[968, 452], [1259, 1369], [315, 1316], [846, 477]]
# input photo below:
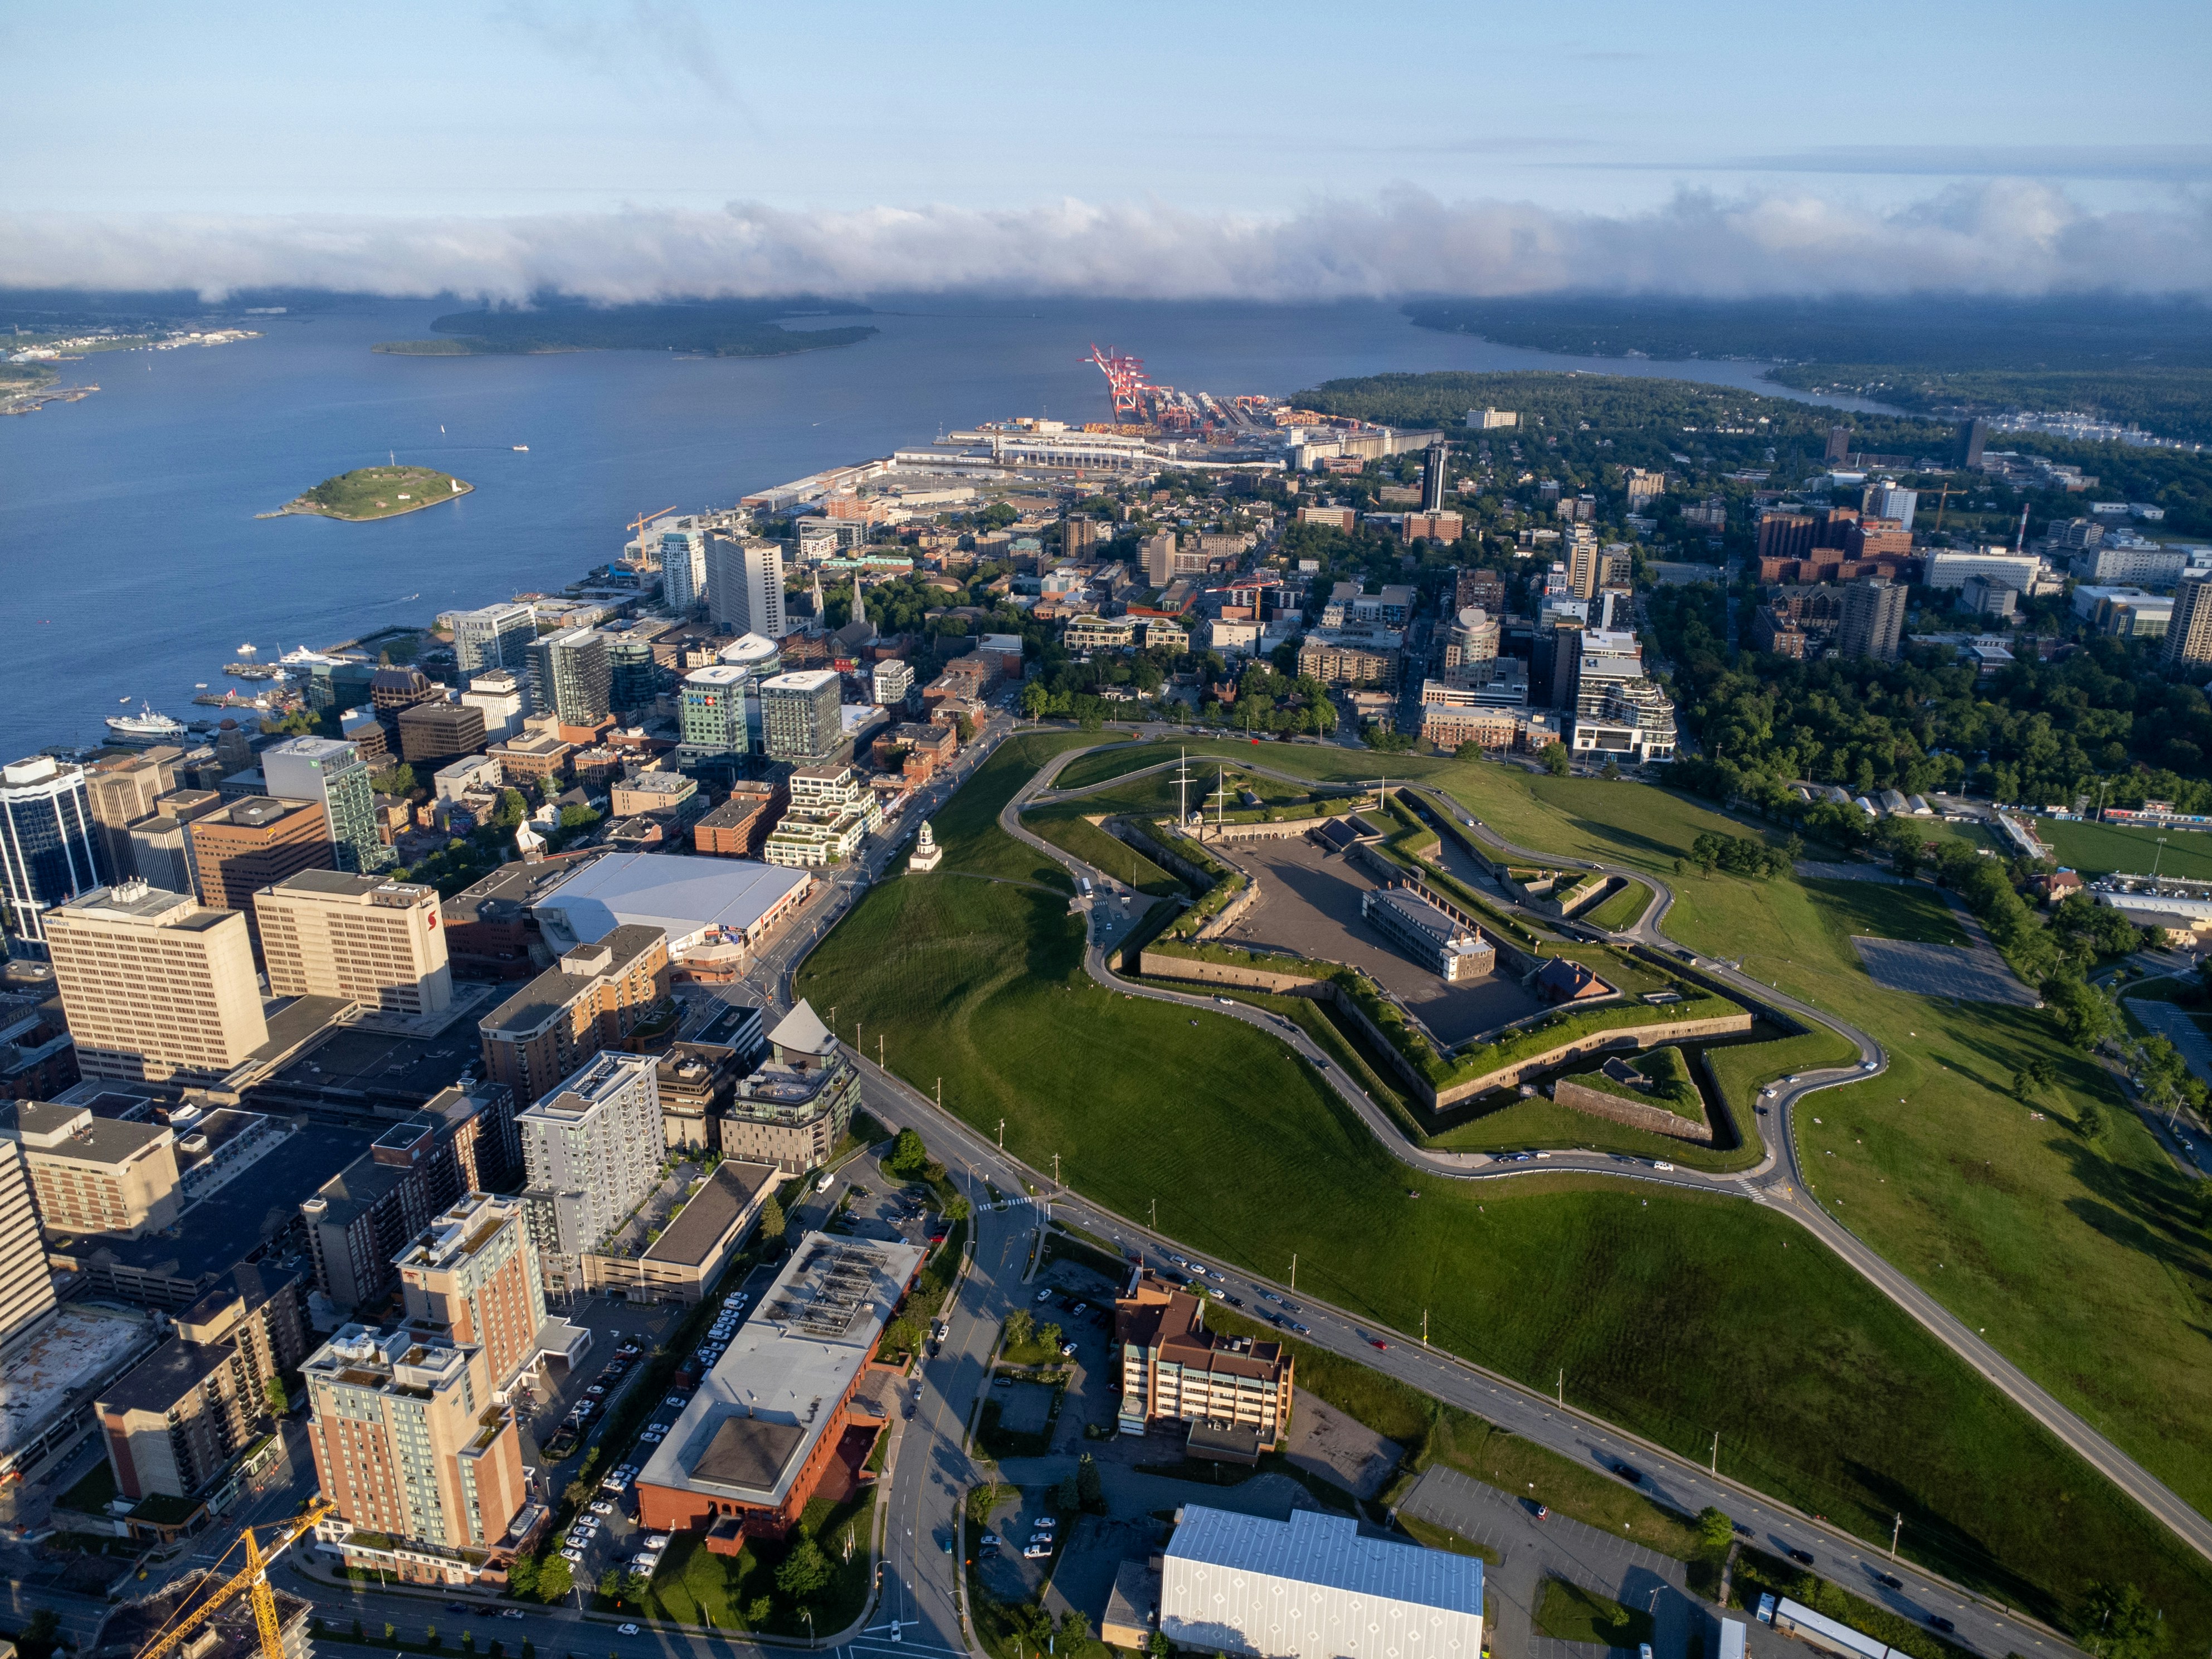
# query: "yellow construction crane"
[[637, 524], [251, 1579]]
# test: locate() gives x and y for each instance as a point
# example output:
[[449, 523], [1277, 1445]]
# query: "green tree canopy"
[[804, 1573]]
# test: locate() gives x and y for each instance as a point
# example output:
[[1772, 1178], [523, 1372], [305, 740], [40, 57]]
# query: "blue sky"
[[136, 116]]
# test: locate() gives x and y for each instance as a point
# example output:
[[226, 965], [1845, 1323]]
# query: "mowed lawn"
[[1094, 846], [1112, 763], [2084, 1263], [967, 826], [2103, 849], [1677, 1316]]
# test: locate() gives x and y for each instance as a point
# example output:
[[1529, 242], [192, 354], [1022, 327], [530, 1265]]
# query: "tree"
[[2117, 1623], [394, 780], [1051, 1336], [1715, 1531], [1089, 1489], [555, 1579], [757, 1610], [1157, 1646], [611, 1584], [522, 1574], [2033, 1077], [634, 1586], [1019, 1326], [908, 1155], [2089, 1123], [1555, 758], [1074, 1627], [982, 1499], [511, 810], [771, 1220], [40, 1633], [1066, 1496], [1611, 770], [804, 1573], [1469, 750]]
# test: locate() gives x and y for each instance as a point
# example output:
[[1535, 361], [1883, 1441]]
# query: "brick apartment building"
[[591, 998]]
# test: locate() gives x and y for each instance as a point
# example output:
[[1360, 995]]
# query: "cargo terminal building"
[[766, 1422]]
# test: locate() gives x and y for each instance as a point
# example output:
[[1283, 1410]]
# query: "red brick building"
[[778, 1420]]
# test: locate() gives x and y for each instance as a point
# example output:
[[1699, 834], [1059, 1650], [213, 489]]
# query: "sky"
[[636, 147]]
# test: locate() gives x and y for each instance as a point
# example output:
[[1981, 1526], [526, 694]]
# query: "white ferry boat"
[[146, 726]]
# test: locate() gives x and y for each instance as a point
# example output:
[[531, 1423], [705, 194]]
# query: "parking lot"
[[373, 1062], [605, 1533], [1967, 972]]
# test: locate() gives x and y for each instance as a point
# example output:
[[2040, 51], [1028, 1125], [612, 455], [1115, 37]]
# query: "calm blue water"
[[134, 563]]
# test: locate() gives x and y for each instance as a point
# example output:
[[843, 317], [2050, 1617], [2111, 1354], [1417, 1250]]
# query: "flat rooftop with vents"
[[758, 1433]]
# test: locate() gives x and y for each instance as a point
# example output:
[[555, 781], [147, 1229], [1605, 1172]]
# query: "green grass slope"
[[1677, 1316]]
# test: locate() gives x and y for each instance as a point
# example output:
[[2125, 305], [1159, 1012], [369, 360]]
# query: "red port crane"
[[1125, 379]]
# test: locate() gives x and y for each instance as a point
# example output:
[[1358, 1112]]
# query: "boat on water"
[[522, 449], [148, 726]]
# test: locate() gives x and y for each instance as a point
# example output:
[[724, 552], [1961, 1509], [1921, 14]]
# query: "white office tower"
[[493, 637], [683, 570], [27, 1288], [499, 695], [1886, 501], [744, 586]]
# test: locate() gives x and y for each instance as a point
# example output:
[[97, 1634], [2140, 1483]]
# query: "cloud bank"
[[2011, 237]]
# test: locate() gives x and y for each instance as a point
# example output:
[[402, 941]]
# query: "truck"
[[1083, 884], [829, 1180]]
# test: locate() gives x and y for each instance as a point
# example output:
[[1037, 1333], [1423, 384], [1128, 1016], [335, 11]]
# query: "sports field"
[[2105, 849], [1674, 1314]]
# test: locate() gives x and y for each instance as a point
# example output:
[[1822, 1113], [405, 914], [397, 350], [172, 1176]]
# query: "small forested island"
[[706, 328], [377, 492]]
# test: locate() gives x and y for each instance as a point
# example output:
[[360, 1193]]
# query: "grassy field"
[[1669, 1313], [2100, 849], [2048, 1245], [967, 827], [1621, 910], [1095, 847], [379, 492], [1569, 1613], [1082, 772]]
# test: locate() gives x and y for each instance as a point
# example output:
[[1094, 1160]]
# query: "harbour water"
[[134, 562]]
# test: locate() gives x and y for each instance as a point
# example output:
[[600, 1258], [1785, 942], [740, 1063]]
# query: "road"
[[927, 1475], [1777, 1181]]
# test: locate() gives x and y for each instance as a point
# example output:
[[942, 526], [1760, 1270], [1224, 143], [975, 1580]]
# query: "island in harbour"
[[376, 492], [707, 328]]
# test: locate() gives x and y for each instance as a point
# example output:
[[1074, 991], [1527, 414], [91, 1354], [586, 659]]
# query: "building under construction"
[[230, 1634]]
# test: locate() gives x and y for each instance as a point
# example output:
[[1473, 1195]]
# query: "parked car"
[[631, 1629], [1045, 1524], [510, 1612], [1036, 1552], [1044, 1296], [604, 1506], [1301, 1329], [572, 1553]]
